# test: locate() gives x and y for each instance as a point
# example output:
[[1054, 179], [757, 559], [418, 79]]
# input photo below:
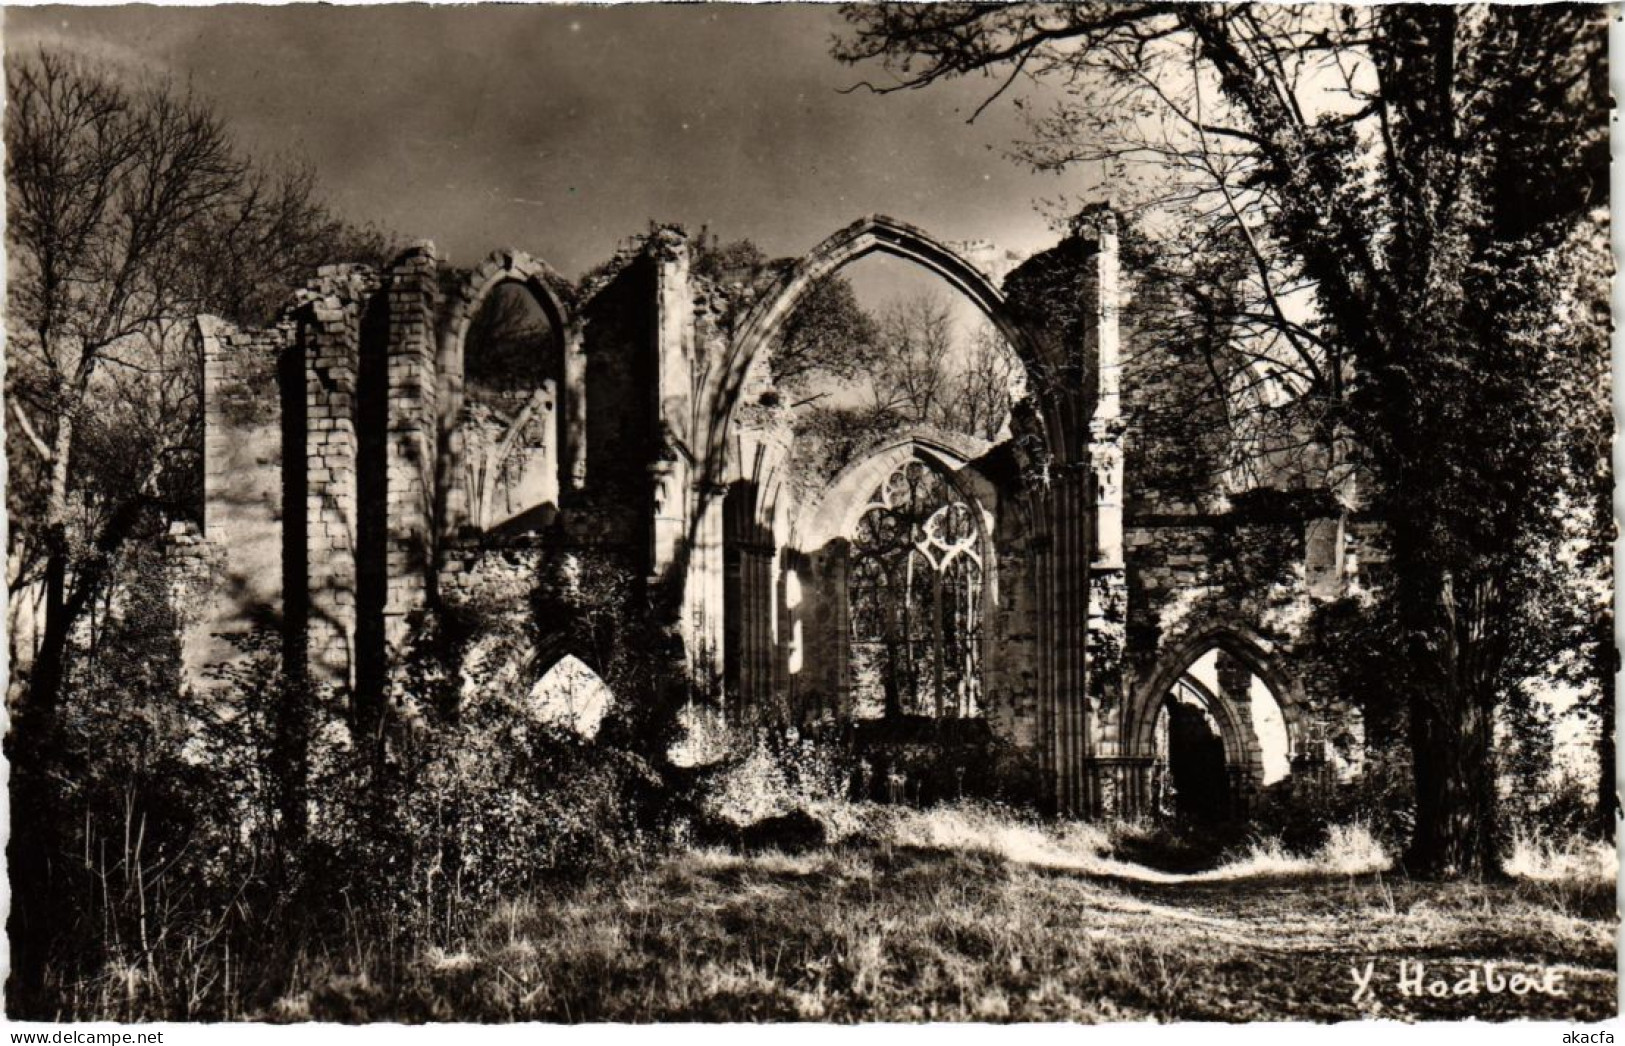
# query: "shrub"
[[924, 763], [1567, 810], [164, 823], [775, 772], [475, 794], [1380, 798], [468, 811], [1347, 849]]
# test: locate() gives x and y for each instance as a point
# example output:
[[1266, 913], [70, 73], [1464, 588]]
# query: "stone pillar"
[[833, 569], [573, 402], [1061, 553], [1108, 586], [1069, 588], [218, 440], [735, 669], [762, 609], [1106, 423], [674, 342], [750, 580], [687, 537], [1043, 559], [330, 343], [677, 477], [787, 685], [411, 447], [1235, 681], [450, 498], [1121, 786], [703, 590], [667, 507], [1081, 583]]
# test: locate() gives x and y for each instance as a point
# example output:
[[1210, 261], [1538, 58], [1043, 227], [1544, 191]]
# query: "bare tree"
[[909, 376], [983, 385], [129, 212]]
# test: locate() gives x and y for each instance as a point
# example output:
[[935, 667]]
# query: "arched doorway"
[[1192, 782], [1218, 723]]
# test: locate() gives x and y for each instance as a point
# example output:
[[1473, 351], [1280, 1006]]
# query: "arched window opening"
[[1270, 725], [509, 422], [571, 696], [915, 596]]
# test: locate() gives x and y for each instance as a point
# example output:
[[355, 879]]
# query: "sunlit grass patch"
[[959, 913], [1538, 857], [1348, 850]]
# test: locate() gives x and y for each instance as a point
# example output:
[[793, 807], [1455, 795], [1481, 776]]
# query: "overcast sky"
[[562, 130]]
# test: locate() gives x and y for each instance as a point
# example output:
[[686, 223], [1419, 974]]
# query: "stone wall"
[[243, 455], [614, 509], [1117, 544]]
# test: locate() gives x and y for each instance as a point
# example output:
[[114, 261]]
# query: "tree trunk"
[[1607, 658], [45, 679], [1453, 762], [45, 676], [290, 767], [31, 747], [1607, 820]]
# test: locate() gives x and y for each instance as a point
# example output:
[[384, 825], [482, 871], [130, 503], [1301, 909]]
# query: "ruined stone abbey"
[[1085, 583]]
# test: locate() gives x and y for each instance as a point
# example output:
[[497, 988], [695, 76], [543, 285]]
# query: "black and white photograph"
[[818, 514]]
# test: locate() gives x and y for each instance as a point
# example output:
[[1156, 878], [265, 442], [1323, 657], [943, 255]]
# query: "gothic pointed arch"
[[1236, 746], [950, 453], [546, 411], [1251, 648], [568, 693], [870, 235], [905, 575]]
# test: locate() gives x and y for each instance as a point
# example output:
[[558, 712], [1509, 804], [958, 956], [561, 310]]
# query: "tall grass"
[[1351, 849], [1540, 857]]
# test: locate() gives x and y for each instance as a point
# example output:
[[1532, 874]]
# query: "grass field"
[[961, 915]]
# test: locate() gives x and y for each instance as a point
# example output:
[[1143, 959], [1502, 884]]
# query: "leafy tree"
[[1403, 180], [828, 335], [829, 438]]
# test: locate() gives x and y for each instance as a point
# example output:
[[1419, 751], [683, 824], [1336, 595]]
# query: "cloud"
[[119, 58]]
